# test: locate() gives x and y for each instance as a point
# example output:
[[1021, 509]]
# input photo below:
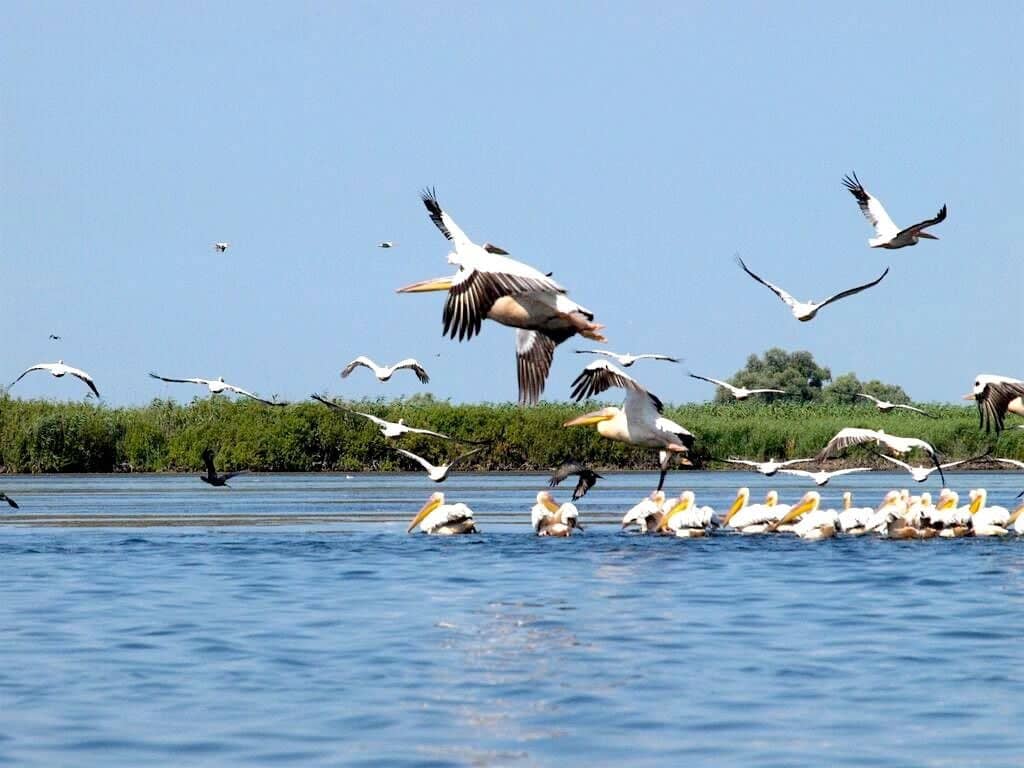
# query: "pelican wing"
[[992, 403], [40, 367], [600, 376], [915, 410], [335, 406], [442, 220], [86, 378], [1011, 462], [178, 381], [777, 391], [419, 460], [603, 352], [742, 462], [866, 396], [847, 437], [722, 384], [247, 393], [534, 353], [916, 228], [851, 291], [979, 457], [474, 290], [462, 456], [359, 361], [897, 462], [798, 472], [492, 248], [414, 365], [652, 356], [782, 294], [839, 472], [871, 207], [587, 478]]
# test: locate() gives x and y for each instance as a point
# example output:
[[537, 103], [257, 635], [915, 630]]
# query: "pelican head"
[[948, 499], [544, 497], [434, 284], [594, 417], [742, 495], [771, 498], [847, 499], [684, 502], [435, 501], [983, 380], [978, 498], [809, 503]]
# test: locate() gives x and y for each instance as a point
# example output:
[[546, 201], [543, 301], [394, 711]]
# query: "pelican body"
[[551, 519], [439, 519], [646, 515], [684, 519]]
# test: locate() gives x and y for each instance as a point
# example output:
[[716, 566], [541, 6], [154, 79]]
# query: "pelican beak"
[[549, 503], [804, 506], [1015, 514], [435, 284], [594, 417], [970, 397], [737, 505], [679, 506], [975, 504], [433, 503], [927, 236]]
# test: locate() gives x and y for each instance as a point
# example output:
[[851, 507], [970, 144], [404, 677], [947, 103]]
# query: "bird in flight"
[[58, 370], [587, 478], [887, 234], [216, 386], [628, 359], [884, 405], [920, 474], [386, 244], [387, 428], [211, 477], [849, 436], [221, 247], [437, 473], [806, 310], [54, 337], [996, 396], [766, 468], [822, 477], [383, 373], [740, 393], [10, 502]]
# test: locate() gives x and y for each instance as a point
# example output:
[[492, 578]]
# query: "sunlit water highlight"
[[293, 622]]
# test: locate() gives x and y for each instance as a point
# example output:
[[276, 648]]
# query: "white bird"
[[766, 468], [849, 436], [740, 393], [58, 370], [626, 360], [987, 520], [822, 477], [753, 518], [812, 523], [491, 285], [440, 519], [1011, 462], [888, 235], [437, 473], [1016, 520], [806, 310], [386, 244], [551, 519], [996, 396], [216, 386], [854, 519], [646, 515], [387, 428], [639, 422], [684, 518], [920, 473], [385, 372], [884, 405], [221, 247]]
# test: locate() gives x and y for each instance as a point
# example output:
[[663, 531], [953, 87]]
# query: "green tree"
[[795, 372], [844, 389]]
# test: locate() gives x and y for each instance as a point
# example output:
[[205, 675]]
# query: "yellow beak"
[[1015, 514], [970, 397], [429, 507], [549, 503], [737, 505], [802, 508], [680, 505], [587, 419], [434, 284]]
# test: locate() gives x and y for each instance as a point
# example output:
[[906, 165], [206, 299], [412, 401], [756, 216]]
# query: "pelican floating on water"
[[888, 235], [440, 519], [491, 285], [740, 393], [811, 522], [683, 518], [754, 518], [385, 372], [57, 370], [552, 519], [638, 422], [996, 396], [647, 514]]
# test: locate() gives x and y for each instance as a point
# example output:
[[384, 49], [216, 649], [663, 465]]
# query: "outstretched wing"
[[568, 468], [993, 402], [781, 293], [332, 404], [474, 290], [916, 228], [600, 376], [851, 291], [86, 378], [421, 461], [359, 361], [11, 502], [844, 438], [652, 356], [979, 457], [741, 462], [40, 367], [177, 381], [871, 207], [414, 365], [849, 471], [915, 410], [897, 462], [442, 220], [534, 352], [251, 395], [722, 384], [866, 396], [462, 456], [797, 472]]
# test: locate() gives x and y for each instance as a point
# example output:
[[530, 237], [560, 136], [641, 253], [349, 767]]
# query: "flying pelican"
[[551, 519], [221, 247], [587, 478], [740, 393], [10, 502], [822, 477], [439, 473], [812, 523], [58, 370], [638, 422], [884, 405], [848, 436], [626, 360], [216, 386], [387, 428], [383, 373], [806, 310], [489, 284], [211, 477], [440, 519], [888, 234], [996, 396], [646, 515], [684, 519], [766, 468], [920, 473], [386, 244]]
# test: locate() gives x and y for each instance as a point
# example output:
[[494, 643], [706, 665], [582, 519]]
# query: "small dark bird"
[[8, 499], [54, 337], [587, 478], [211, 477]]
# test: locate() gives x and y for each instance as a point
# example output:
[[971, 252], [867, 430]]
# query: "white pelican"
[[888, 235], [216, 386], [551, 519], [442, 519], [439, 473], [987, 520], [385, 372], [740, 393], [885, 406], [766, 468], [1016, 521], [587, 478], [491, 285], [58, 370], [996, 396], [806, 310], [221, 247], [626, 360], [920, 473], [387, 428], [684, 519], [812, 523], [638, 422], [211, 477], [753, 518], [10, 502], [385, 244], [822, 477], [646, 515], [854, 519], [949, 517], [849, 436]]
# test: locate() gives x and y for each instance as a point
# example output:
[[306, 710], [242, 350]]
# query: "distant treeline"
[[44, 436]]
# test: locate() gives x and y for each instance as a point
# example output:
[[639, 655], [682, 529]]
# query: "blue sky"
[[631, 151]]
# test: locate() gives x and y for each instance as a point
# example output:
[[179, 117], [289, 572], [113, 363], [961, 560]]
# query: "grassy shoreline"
[[49, 437]]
